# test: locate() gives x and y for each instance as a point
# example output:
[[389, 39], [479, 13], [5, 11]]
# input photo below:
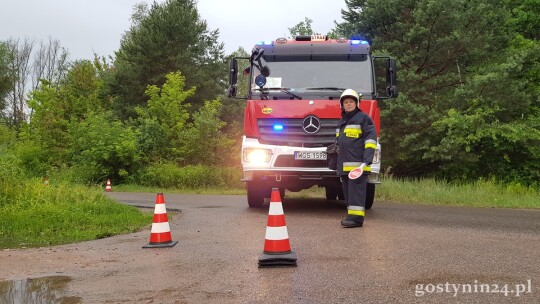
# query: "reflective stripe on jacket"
[[357, 142]]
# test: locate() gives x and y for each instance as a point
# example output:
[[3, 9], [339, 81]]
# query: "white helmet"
[[349, 93]]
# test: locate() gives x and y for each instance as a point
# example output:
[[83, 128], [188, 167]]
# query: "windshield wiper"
[[327, 88], [284, 90]]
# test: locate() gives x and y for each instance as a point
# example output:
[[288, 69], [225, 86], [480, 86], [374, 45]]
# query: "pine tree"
[[164, 38], [456, 61]]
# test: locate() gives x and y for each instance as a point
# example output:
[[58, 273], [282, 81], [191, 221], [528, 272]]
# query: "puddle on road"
[[38, 290]]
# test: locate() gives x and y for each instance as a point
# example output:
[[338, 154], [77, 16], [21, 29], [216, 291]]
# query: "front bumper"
[[280, 164]]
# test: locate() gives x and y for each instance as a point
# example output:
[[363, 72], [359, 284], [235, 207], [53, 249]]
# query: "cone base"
[[160, 245], [273, 260]]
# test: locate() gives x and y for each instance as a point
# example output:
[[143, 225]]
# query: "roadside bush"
[[36, 215], [101, 147], [206, 128], [33, 158], [7, 135], [171, 176], [10, 173]]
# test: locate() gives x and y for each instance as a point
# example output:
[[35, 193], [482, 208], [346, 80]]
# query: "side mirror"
[[233, 77], [233, 88], [391, 78], [233, 72], [385, 77]]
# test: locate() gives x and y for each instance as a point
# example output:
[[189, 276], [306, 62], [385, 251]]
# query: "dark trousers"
[[354, 190]]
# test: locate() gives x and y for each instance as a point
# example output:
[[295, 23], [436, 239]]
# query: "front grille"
[[289, 161], [293, 134]]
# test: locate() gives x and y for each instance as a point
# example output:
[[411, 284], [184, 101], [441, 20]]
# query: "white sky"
[[87, 26]]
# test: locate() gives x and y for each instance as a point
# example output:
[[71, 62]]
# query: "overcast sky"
[[87, 26]]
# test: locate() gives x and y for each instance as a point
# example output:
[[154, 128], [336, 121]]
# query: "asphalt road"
[[403, 254], [399, 247]]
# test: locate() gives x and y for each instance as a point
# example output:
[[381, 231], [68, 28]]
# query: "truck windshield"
[[312, 77]]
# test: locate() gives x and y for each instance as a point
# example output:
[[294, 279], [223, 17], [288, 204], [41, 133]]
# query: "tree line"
[[469, 105], [469, 75], [158, 101]]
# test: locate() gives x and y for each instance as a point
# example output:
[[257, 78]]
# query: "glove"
[[332, 156], [332, 149]]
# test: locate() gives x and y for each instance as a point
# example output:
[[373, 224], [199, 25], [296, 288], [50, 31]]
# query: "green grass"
[[32, 215], [484, 194], [214, 191]]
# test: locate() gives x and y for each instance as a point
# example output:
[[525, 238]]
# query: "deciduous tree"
[[20, 66], [5, 78], [301, 28]]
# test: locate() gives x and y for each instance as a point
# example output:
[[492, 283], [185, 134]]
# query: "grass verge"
[[36, 215], [484, 194], [212, 191]]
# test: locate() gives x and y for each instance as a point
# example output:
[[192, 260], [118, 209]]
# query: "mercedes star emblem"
[[311, 124]]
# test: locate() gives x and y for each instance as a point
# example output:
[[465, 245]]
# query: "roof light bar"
[[266, 42], [356, 42]]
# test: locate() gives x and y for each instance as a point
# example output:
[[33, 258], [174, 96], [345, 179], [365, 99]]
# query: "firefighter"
[[357, 141]]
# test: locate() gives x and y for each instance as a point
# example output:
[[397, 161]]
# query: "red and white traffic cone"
[[108, 186], [160, 236], [277, 249]]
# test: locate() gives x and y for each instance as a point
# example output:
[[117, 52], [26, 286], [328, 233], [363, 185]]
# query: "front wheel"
[[370, 195], [331, 193], [256, 194], [340, 194]]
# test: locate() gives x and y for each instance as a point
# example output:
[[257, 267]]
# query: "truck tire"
[[256, 194], [340, 195], [331, 193], [370, 195]]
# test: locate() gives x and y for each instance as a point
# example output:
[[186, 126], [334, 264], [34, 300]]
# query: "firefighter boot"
[[352, 221]]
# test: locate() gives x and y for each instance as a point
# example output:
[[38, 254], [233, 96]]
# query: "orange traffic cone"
[[277, 249], [46, 181], [108, 186], [160, 236]]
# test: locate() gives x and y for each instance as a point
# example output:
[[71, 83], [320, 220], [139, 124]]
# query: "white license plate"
[[310, 155]]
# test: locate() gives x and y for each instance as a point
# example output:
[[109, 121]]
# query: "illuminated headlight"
[[256, 155], [377, 156]]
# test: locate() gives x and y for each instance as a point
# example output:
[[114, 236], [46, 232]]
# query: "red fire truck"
[[293, 109]]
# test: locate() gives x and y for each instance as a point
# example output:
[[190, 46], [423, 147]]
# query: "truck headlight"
[[257, 155]]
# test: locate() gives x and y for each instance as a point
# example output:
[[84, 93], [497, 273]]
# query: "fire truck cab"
[[293, 109]]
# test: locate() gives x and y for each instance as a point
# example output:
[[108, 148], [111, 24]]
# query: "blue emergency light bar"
[[359, 42], [266, 42]]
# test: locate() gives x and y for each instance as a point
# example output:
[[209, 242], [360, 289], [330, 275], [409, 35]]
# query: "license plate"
[[310, 155]]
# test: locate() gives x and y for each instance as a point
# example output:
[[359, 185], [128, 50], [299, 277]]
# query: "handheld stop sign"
[[356, 172]]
